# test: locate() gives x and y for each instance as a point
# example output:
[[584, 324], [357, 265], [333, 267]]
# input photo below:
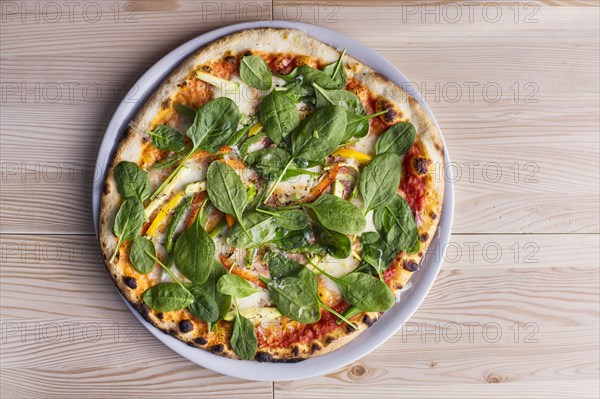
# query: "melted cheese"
[[246, 97], [366, 144], [339, 267]]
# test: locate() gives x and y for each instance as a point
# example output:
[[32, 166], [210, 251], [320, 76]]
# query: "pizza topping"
[[411, 265], [255, 72], [304, 194], [413, 184], [421, 165], [397, 139], [164, 137], [130, 282]]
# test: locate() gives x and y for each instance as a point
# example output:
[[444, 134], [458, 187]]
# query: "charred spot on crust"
[[248, 53], [206, 68], [433, 215], [392, 115], [424, 237], [349, 329], [329, 339], [166, 104], [368, 320], [218, 348], [130, 282], [160, 315], [230, 59], [106, 188], [144, 310], [295, 350], [263, 357], [182, 84], [421, 165], [200, 341], [314, 347], [185, 326], [411, 265]]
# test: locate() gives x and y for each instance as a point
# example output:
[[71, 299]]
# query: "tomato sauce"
[[413, 185], [293, 332]]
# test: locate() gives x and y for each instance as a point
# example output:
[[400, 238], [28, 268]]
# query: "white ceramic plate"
[[391, 321]]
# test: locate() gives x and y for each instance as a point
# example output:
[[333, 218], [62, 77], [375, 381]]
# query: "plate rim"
[[392, 320]]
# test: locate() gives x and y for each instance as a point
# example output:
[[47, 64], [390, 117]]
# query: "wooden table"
[[515, 89]]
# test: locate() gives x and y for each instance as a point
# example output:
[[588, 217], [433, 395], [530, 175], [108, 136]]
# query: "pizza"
[[271, 199]]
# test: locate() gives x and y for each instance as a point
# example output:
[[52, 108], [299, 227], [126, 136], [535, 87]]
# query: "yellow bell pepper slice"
[[360, 157], [228, 85], [162, 214], [256, 129]]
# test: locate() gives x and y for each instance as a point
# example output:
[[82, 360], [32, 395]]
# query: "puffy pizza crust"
[[130, 146]]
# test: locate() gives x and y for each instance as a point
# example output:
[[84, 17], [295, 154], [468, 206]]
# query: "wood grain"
[[532, 116], [540, 298], [513, 158]]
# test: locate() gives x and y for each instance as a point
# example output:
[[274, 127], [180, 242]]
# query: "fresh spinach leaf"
[[171, 160], [164, 137], [185, 110], [255, 72], [336, 244], [309, 75], [167, 297], [235, 286], [339, 215], [320, 134], [290, 219], [315, 138], [366, 292], [336, 70], [358, 125], [268, 161], [128, 222], [247, 145], [260, 229], [178, 214], [363, 291], [396, 223], [132, 181], [376, 252], [238, 136], [294, 171], [243, 338], [140, 260], [292, 241], [280, 266], [379, 181], [279, 116], [215, 123], [210, 285], [397, 139], [296, 91], [204, 306], [295, 299], [194, 253], [342, 98], [226, 190]]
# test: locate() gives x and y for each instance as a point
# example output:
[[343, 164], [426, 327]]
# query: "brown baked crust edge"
[[273, 40]]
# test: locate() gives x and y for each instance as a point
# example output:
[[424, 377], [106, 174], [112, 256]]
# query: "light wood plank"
[[550, 290], [533, 137], [561, 364]]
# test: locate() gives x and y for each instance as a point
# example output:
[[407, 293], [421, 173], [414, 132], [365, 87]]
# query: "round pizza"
[[271, 198]]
